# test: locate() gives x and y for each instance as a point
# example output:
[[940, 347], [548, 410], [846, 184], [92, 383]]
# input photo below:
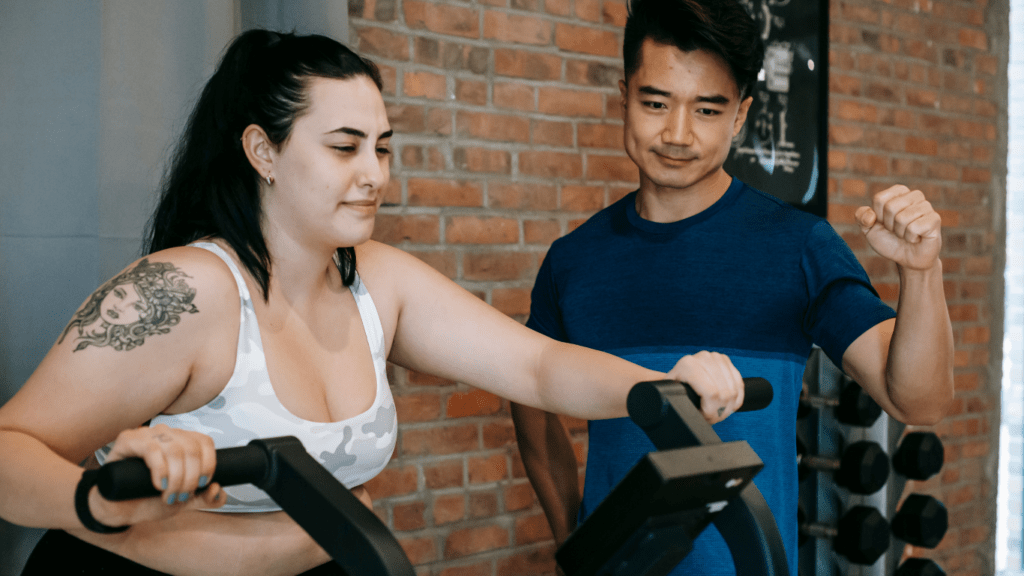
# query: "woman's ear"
[[259, 150]]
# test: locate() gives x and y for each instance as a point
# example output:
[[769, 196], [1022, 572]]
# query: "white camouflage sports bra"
[[354, 450]]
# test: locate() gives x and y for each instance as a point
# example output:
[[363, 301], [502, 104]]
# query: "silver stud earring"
[[270, 179]]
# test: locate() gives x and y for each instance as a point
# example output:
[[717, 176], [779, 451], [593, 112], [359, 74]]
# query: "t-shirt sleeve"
[[843, 303], [545, 315]]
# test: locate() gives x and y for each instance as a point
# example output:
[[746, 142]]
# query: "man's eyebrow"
[[359, 133], [653, 91], [716, 99]]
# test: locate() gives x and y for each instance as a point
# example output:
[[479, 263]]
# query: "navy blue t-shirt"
[[750, 277]]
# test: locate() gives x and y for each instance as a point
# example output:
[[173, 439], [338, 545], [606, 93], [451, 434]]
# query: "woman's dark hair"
[[210, 188], [722, 27]]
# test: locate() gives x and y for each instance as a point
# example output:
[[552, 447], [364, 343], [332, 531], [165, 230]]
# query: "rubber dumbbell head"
[[863, 468], [919, 456], [919, 567], [856, 407], [921, 521], [862, 535]]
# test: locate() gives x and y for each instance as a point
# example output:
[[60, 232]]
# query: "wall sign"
[[783, 147]]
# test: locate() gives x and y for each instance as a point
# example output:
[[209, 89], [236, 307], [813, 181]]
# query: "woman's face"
[[331, 172], [122, 305]]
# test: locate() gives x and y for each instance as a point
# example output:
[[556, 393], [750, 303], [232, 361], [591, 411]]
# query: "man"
[[695, 260]]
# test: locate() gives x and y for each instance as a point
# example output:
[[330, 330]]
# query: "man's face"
[[681, 111]]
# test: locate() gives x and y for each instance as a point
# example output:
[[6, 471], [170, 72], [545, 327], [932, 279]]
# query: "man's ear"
[[741, 115], [624, 92], [259, 150]]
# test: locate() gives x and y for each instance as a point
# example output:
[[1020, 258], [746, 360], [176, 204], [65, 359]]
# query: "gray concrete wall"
[[95, 94]]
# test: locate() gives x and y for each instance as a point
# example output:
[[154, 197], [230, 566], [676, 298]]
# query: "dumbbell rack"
[[822, 500]]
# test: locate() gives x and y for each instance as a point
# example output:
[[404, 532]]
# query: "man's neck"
[[664, 204]]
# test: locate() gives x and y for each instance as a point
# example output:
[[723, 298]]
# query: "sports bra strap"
[[243, 290]]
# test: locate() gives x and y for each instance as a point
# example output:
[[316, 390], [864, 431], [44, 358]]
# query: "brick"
[[449, 508], [582, 198], [472, 403], [550, 164], [596, 74], [443, 262], [472, 540], [559, 7], [381, 42], [976, 175], [409, 516], [533, 561], [541, 231], [925, 146], [844, 134], [479, 569], [392, 481], [389, 78], [614, 13], [600, 136], [551, 133], [417, 407], [586, 40], [492, 126], [442, 18], [419, 550], [511, 302], [531, 65], [406, 118], [589, 10], [394, 229], [497, 266], [970, 38], [531, 529], [570, 102], [446, 440], [499, 434], [521, 196], [514, 95], [482, 160], [612, 168], [439, 122], [488, 469], [505, 27], [519, 497], [975, 335], [845, 84], [428, 192], [483, 504], [925, 98], [471, 92], [446, 474]]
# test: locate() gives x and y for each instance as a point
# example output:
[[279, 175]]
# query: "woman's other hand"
[[179, 461]]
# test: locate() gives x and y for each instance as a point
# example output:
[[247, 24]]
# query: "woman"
[[247, 320]]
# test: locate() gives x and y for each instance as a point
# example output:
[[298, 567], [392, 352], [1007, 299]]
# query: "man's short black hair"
[[722, 27]]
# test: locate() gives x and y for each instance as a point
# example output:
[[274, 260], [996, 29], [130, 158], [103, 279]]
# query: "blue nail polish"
[[163, 484], [203, 481], [183, 496], [170, 499]]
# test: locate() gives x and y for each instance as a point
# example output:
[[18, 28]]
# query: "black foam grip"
[[130, 478], [757, 394]]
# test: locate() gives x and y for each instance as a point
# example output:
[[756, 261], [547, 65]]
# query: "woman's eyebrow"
[[359, 133]]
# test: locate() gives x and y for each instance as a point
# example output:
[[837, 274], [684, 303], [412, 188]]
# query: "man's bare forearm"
[[919, 371], [551, 466]]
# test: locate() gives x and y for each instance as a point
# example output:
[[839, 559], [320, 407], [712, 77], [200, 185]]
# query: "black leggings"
[[59, 553]]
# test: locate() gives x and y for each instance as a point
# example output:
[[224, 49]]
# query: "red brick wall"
[[918, 97], [510, 136]]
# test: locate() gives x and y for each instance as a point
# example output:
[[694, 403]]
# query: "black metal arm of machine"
[[648, 522], [346, 529]]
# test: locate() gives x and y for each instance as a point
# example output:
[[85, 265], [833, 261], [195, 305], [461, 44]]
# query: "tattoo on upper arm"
[[145, 300]]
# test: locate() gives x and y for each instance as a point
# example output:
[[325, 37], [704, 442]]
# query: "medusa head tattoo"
[[145, 300]]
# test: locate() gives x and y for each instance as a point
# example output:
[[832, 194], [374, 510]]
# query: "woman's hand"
[[179, 461], [713, 377]]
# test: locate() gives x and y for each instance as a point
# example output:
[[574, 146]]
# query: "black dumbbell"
[[853, 406], [921, 521], [863, 468], [919, 456], [862, 534], [919, 567]]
